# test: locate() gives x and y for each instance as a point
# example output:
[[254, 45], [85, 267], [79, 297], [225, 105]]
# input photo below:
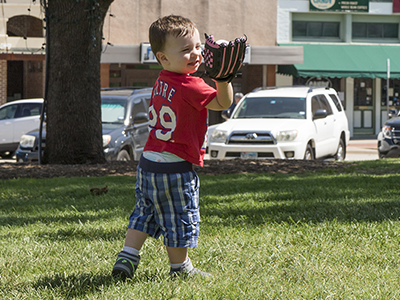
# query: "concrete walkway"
[[359, 149]]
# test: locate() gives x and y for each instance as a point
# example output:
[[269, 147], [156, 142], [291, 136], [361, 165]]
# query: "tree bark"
[[73, 129]]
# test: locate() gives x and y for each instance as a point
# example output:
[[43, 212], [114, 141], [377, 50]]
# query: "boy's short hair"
[[172, 24]]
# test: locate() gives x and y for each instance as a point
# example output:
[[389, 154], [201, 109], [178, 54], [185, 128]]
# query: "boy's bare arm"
[[224, 97]]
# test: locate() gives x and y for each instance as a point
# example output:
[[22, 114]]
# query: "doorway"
[[15, 82], [363, 118]]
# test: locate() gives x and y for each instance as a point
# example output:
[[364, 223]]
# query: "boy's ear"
[[161, 57]]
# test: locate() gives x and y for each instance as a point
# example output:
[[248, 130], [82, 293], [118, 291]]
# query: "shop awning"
[[333, 60]]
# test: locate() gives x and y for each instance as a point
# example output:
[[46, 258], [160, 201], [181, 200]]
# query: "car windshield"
[[113, 111], [271, 107]]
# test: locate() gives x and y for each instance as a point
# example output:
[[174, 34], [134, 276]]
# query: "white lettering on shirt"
[[164, 90]]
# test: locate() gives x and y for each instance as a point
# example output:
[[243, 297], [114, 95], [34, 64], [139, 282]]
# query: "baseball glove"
[[223, 60]]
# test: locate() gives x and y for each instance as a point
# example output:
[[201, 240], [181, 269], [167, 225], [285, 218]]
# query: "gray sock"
[[131, 250], [186, 265]]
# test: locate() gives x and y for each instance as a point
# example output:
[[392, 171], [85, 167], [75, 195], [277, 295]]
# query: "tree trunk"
[[73, 129]]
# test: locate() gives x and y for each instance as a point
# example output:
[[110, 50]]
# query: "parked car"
[[17, 118], [124, 114], [284, 123], [389, 138]]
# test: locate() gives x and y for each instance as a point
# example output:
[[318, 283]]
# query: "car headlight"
[[286, 135], [106, 139], [387, 131], [219, 136], [27, 141]]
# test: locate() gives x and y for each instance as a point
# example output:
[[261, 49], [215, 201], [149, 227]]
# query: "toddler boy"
[[167, 187]]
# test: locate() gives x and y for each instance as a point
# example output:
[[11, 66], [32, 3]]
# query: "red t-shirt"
[[178, 116]]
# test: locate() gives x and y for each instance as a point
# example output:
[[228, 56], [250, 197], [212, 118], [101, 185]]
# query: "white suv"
[[17, 118], [290, 122]]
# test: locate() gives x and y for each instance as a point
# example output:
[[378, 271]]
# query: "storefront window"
[[394, 92], [375, 30], [313, 29], [363, 92]]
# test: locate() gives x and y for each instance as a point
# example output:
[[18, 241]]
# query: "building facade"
[[22, 50], [351, 45], [127, 59]]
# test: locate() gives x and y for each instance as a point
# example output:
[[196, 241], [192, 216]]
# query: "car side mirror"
[[320, 114], [140, 118], [226, 114]]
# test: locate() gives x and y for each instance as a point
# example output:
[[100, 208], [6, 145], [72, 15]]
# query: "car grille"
[[251, 138], [396, 135]]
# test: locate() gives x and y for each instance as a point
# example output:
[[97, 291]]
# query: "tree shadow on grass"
[[259, 199], [74, 286], [81, 285], [303, 212]]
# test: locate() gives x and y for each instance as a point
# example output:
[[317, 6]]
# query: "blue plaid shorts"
[[167, 204]]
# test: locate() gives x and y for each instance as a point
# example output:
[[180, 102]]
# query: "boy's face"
[[181, 54]]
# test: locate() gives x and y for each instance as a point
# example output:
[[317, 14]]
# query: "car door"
[[332, 138], [341, 123], [322, 127], [7, 117], [27, 118], [140, 127]]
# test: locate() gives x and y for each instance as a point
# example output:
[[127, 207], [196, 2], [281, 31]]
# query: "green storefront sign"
[[339, 5]]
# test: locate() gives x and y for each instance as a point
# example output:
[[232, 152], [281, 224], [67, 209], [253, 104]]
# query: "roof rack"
[[310, 87]]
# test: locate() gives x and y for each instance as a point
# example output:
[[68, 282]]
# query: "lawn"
[[319, 235]]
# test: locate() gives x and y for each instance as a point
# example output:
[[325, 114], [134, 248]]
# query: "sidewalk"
[[364, 144], [362, 149]]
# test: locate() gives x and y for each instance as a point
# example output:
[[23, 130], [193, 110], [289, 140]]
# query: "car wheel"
[[123, 155], [309, 155], [341, 151]]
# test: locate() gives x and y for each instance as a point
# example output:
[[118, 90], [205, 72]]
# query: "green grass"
[[320, 235]]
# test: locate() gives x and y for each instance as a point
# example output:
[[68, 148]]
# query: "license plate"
[[248, 155]]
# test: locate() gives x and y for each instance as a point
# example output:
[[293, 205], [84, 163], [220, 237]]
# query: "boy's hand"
[[222, 61]]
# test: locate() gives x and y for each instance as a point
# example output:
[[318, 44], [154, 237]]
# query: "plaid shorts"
[[167, 204]]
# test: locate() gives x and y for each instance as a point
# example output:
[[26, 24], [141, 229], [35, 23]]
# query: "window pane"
[[8, 112], [314, 104], [138, 107], [391, 30], [336, 100], [325, 104], [359, 30], [375, 30], [272, 107], [113, 111], [330, 29], [314, 29], [31, 109], [299, 28]]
